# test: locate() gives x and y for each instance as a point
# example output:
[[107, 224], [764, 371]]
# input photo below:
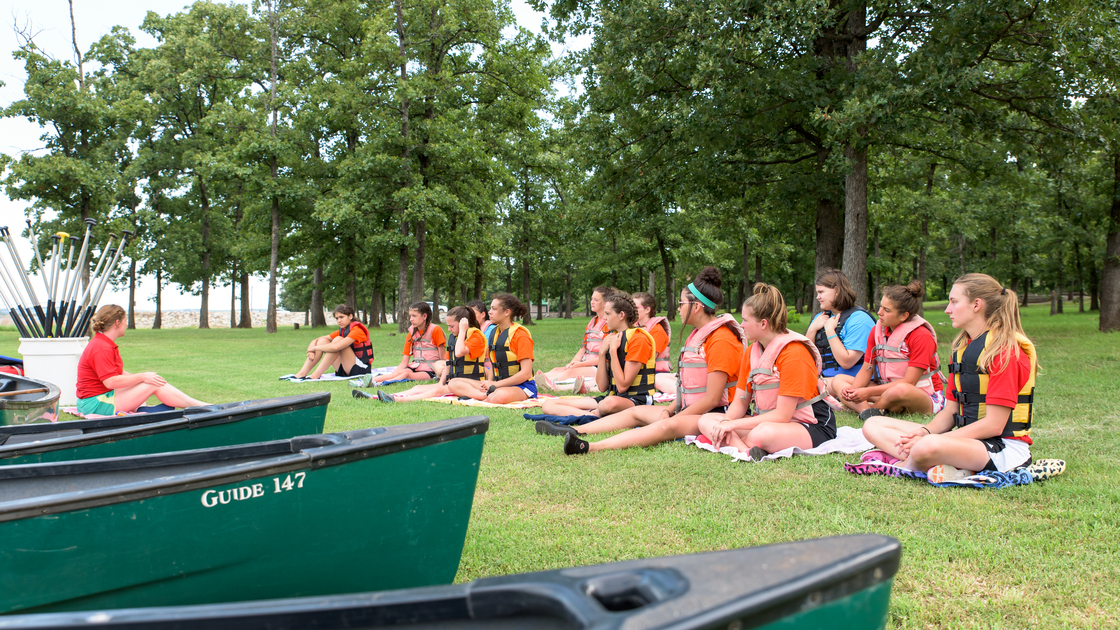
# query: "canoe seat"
[[38, 437]]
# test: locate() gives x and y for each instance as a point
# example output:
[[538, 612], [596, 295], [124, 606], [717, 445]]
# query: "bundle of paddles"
[[754, 388]]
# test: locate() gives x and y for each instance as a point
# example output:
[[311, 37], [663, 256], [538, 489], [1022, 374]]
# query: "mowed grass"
[[1043, 555]]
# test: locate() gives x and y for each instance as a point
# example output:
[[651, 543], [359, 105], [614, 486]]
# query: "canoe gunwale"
[[44, 400], [94, 423], [559, 594], [369, 443], [179, 419]]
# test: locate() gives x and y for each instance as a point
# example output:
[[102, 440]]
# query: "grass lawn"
[[1043, 555]]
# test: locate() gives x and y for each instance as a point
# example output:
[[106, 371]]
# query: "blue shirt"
[[853, 336]]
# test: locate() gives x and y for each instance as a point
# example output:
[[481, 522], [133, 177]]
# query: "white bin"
[[54, 361]]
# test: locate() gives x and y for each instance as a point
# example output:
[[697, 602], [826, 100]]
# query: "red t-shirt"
[[438, 338], [919, 346], [1004, 384], [100, 360]]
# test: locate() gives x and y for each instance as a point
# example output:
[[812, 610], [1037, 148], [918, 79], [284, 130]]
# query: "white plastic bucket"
[[54, 361]]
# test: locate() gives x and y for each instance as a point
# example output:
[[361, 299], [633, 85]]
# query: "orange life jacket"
[[662, 363], [692, 365], [764, 377], [593, 339], [425, 353]]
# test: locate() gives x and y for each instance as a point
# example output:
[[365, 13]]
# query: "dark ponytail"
[[708, 283], [512, 304], [906, 298]]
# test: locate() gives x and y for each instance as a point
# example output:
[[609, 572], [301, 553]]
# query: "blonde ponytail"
[[767, 303], [106, 317], [1001, 316]]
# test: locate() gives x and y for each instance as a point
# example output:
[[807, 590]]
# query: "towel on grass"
[[989, 479], [331, 376], [847, 440], [452, 399]]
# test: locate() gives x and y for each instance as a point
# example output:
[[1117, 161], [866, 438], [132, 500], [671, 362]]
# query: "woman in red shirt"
[[103, 387]]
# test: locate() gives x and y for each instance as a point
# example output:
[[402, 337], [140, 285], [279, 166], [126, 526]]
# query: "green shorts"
[[100, 405]]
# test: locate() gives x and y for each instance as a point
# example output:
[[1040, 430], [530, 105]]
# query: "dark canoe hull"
[[27, 408], [369, 510], [141, 434], [839, 583]]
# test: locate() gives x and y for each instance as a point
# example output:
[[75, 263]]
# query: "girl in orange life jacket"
[[665, 380], [626, 365], [715, 346], [985, 424], [585, 362], [781, 373], [348, 350], [509, 378], [841, 329], [468, 345], [423, 349], [900, 370]]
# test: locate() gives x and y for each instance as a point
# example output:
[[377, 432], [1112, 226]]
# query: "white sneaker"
[[944, 472]]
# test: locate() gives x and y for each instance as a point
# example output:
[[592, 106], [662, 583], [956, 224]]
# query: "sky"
[[50, 21]]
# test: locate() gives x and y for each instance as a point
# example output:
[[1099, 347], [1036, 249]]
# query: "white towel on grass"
[[331, 376], [848, 440]]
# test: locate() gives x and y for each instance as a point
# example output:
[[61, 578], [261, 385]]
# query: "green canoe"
[[841, 583], [21, 403], [372, 509], [141, 434]]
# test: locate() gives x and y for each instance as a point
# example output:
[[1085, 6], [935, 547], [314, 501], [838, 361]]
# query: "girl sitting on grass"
[[901, 368], [510, 375], [665, 381], [482, 315], [781, 374], [841, 329], [348, 350], [626, 365], [986, 422], [468, 345], [708, 368], [586, 360], [423, 348]]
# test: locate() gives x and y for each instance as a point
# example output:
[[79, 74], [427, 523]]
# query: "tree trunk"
[[478, 266], [233, 298], [418, 267], [830, 229], [375, 308], [1094, 287], [757, 267], [1054, 299], [157, 321], [435, 303], [318, 317], [132, 295], [525, 285], [876, 290], [855, 222], [568, 292], [246, 319], [204, 310], [540, 299], [1026, 292], [667, 265], [652, 290], [402, 281]]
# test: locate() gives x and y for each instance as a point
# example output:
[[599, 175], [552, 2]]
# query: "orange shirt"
[[438, 338], [356, 333], [660, 338], [476, 345], [797, 371], [723, 352], [521, 344], [639, 349]]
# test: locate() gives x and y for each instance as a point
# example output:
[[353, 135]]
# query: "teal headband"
[[693, 290]]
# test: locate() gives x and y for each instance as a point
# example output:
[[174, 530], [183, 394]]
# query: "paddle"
[[24, 391]]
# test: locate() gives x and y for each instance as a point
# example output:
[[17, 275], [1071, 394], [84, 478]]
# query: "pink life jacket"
[[425, 354], [662, 363], [593, 338], [764, 377], [692, 366], [892, 362]]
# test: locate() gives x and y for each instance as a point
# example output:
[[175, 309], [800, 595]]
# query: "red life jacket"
[[764, 377], [892, 362], [593, 338], [692, 365], [425, 353], [362, 350], [662, 363]]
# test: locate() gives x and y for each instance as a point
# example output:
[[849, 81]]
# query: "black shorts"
[[358, 369], [641, 399], [430, 374], [825, 429]]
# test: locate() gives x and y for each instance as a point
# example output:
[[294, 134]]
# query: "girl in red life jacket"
[[985, 424], [469, 345], [627, 379], [423, 348], [585, 363], [509, 377], [103, 387], [781, 374], [715, 346], [901, 369], [665, 381], [348, 350]]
